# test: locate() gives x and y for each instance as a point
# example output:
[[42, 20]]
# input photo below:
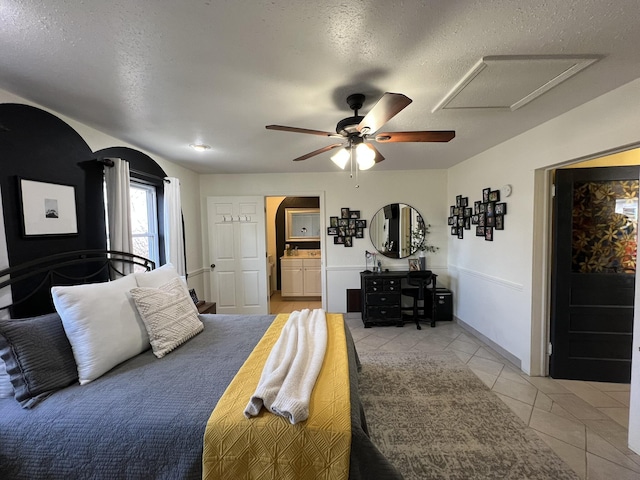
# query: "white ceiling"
[[163, 74]]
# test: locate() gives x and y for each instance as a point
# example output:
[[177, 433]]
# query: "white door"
[[237, 253]]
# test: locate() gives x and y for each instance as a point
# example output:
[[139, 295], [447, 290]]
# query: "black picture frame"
[[491, 209], [491, 221], [332, 230], [494, 196], [460, 233], [451, 220], [501, 208], [339, 240], [333, 221], [344, 212], [352, 223], [464, 202], [194, 296], [343, 222], [452, 210], [359, 233], [485, 194], [479, 231], [499, 222], [488, 234], [474, 219], [454, 230], [467, 223], [468, 212], [361, 223], [354, 214], [458, 200], [476, 207], [482, 219], [348, 241]]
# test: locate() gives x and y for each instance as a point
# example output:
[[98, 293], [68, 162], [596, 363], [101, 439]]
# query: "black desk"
[[382, 298]]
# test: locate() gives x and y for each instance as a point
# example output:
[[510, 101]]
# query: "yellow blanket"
[[268, 446]]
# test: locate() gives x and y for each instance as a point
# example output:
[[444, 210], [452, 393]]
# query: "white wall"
[[423, 189], [493, 280], [188, 181]]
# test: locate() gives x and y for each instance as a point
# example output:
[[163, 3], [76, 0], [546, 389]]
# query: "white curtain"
[[5, 293], [119, 209], [173, 231]]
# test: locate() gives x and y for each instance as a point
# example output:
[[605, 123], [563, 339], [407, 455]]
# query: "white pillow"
[[169, 318], [161, 276], [102, 325]]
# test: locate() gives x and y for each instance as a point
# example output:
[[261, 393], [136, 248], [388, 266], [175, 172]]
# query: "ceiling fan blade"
[[302, 130], [379, 156], [319, 151], [424, 136], [387, 107]]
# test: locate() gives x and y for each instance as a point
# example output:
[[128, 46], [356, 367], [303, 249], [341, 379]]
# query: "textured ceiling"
[[162, 75]]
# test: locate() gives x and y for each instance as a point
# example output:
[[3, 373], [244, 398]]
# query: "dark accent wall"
[[292, 202], [37, 145]]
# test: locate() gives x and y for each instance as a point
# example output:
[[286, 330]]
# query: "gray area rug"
[[434, 419]]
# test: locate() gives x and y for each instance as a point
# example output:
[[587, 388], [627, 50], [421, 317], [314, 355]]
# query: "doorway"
[[276, 241], [593, 273]]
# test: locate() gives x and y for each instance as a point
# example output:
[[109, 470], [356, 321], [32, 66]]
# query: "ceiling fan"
[[357, 132]]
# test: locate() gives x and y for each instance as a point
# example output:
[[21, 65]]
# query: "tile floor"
[[585, 423]]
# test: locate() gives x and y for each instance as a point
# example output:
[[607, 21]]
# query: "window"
[[144, 221]]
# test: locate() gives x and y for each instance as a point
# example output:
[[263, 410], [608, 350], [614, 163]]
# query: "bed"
[[145, 417]]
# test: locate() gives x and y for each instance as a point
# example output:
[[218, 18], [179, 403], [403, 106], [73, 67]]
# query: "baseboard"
[[509, 356]]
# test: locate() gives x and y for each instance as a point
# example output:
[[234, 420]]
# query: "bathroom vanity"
[[300, 275]]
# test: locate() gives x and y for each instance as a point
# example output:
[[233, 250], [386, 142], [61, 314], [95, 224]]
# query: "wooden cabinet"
[[291, 277], [300, 277], [381, 298], [206, 307]]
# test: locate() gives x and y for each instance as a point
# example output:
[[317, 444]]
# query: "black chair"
[[419, 280]]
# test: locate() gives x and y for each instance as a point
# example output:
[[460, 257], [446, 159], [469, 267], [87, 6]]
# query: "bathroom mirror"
[[302, 224], [396, 230]]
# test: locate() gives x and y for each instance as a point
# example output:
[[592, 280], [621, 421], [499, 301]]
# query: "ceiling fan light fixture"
[[365, 156], [200, 147], [340, 158]]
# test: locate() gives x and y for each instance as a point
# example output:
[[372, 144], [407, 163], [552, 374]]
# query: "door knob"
[[213, 265]]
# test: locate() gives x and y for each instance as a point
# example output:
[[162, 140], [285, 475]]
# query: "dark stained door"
[[593, 274]]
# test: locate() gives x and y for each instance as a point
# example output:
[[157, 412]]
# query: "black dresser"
[[381, 294], [381, 298]]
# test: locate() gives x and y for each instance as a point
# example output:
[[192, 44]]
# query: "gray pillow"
[[6, 389], [37, 356]]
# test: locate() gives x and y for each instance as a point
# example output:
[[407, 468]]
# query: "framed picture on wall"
[[47, 208], [344, 212], [333, 221]]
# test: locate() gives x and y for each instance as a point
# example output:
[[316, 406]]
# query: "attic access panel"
[[512, 81]]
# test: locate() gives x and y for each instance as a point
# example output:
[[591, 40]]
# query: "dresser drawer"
[[374, 285], [383, 312], [383, 299]]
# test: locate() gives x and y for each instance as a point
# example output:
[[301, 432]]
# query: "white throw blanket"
[[292, 367]]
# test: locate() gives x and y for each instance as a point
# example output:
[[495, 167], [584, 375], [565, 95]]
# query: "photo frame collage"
[[346, 227], [487, 215]]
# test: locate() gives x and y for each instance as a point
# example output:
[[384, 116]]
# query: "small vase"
[[423, 260]]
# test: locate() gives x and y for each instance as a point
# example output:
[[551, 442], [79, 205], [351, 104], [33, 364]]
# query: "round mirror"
[[397, 230]]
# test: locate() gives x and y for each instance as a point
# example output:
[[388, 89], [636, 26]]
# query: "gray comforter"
[[146, 418]]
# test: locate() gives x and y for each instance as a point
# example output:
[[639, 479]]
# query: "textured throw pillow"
[[161, 276], [6, 389], [102, 324], [167, 314], [37, 356]]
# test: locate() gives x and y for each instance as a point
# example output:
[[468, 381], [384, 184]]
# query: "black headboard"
[[31, 281]]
